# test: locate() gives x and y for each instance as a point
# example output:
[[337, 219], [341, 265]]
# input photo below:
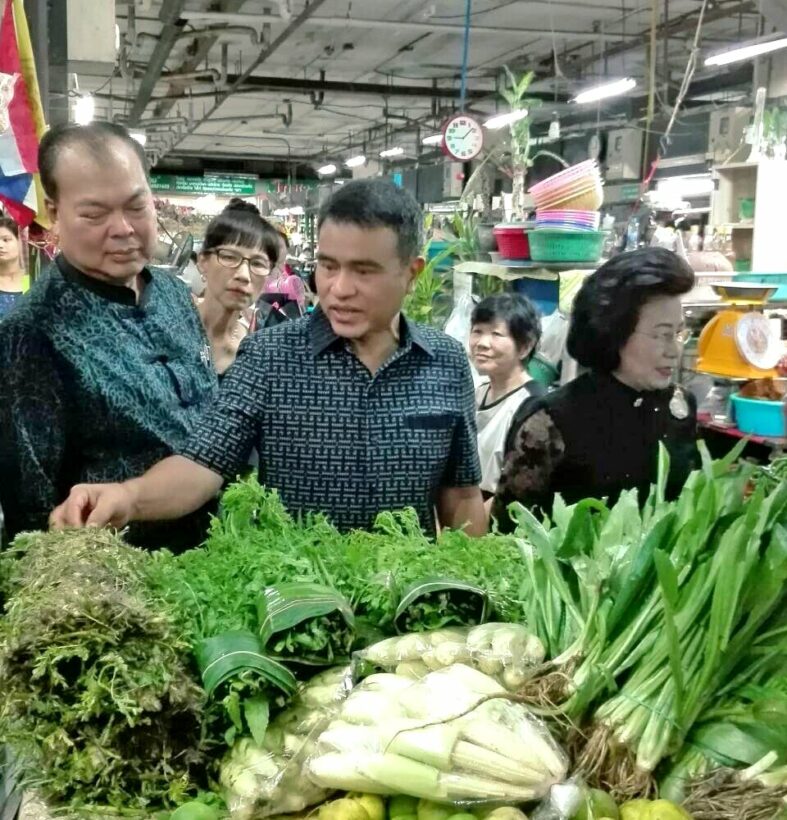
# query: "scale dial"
[[463, 137]]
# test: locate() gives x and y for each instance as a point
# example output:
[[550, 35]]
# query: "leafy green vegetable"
[[437, 603], [307, 623], [97, 696]]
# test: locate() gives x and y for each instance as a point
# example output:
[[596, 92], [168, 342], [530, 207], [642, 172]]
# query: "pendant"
[[678, 405]]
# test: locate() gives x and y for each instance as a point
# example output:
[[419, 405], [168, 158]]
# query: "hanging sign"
[[221, 185]]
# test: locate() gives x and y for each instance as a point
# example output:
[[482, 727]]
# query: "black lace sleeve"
[[528, 468]]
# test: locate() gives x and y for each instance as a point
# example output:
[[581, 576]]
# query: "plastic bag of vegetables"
[[507, 652], [260, 779], [453, 736], [306, 623]]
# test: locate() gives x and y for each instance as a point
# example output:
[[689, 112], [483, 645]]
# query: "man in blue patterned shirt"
[[353, 410], [104, 365]]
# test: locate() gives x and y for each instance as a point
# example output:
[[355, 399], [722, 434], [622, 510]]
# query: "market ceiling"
[[247, 84]]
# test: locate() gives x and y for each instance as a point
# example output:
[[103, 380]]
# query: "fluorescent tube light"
[[326, 170], [84, 110], [686, 185], [140, 136], [392, 152], [432, 139], [501, 120], [356, 161], [746, 52], [601, 92]]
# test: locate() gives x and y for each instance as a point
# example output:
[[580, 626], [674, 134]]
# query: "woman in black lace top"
[[600, 434]]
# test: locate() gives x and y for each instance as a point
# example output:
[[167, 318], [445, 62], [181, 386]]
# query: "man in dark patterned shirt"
[[353, 410], [104, 365]]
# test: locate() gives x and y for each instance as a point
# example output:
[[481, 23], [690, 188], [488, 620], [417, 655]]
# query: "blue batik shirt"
[[97, 388], [333, 437]]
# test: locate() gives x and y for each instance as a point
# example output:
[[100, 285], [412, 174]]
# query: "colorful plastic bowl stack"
[[578, 188], [569, 219], [567, 216]]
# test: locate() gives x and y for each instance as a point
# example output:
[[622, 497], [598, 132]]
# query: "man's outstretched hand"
[[94, 505]]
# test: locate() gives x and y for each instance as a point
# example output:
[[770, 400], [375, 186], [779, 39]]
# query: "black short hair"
[[9, 224], [377, 203], [607, 307], [517, 311], [97, 137], [240, 223]]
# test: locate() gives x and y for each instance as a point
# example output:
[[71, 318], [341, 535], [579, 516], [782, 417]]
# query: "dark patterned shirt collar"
[[321, 335], [112, 293]]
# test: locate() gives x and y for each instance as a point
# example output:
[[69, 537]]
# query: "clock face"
[[463, 137]]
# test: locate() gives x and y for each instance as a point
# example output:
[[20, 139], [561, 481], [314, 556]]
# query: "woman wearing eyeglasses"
[[599, 435], [238, 252]]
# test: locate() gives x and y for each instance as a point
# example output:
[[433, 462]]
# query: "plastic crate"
[[548, 245], [758, 417]]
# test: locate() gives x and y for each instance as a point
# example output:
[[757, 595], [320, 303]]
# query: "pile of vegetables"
[[650, 639], [264, 776], [508, 652], [650, 614], [96, 694], [449, 737]]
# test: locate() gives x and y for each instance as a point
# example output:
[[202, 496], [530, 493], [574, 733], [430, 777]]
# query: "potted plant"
[[513, 158]]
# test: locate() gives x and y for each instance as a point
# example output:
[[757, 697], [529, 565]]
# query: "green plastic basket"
[[554, 245]]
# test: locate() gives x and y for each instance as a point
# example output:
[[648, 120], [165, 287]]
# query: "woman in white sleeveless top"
[[505, 330]]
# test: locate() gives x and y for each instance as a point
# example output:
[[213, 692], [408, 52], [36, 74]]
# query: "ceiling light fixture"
[[601, 92], [356, 161], [140, 136], [327, 170], [85, 109], [509, 118], [432, 139], [392, 152], [746, 52]]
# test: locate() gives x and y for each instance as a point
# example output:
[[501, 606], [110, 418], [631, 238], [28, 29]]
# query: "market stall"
[[581, 668]]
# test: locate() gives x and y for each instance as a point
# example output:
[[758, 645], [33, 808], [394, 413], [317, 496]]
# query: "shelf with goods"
[[758, 239]]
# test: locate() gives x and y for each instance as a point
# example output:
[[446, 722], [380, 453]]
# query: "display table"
[[760, 448]]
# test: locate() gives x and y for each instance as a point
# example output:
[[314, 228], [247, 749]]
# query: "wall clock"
[[463, 137]]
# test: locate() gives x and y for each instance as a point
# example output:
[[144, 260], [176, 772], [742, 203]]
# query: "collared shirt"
[[95, 387], [334, 438]]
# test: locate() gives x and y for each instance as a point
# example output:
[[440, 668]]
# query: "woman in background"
[[504, 332], [13, 281], [600, 434], [238, 253]]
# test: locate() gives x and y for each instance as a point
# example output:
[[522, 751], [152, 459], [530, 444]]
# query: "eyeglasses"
[[258, 265], [678, 337]]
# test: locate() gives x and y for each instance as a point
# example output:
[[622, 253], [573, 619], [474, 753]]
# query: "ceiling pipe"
[[267, 51], [404, 26], [170, 16], [213, 73], [217, 32], [287, 118], [318, 97]]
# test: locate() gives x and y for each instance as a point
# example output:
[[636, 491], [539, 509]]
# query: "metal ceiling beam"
[[169, 16], [404, 27], [294, 85], [196, 60], [267, 51], [686, 22]]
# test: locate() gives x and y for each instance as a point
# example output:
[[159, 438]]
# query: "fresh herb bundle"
[[97, 695]]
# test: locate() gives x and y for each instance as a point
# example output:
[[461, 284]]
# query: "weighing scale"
[[739, 342]]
